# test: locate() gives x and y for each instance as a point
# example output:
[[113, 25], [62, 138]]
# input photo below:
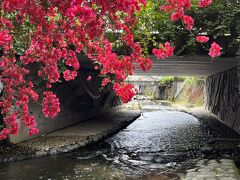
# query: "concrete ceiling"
[[189, 66]]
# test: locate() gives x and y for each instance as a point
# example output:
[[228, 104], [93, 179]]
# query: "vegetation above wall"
[[191, 90], [220, 22]]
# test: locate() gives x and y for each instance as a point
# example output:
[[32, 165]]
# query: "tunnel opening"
[[175, 91]]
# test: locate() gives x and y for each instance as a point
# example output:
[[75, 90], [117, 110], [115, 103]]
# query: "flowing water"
[[161, 144]]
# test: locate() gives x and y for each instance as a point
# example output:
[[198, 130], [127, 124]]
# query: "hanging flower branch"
[[49, 33]]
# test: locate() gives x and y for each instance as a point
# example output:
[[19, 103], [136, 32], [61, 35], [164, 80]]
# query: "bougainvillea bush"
[[218, 21], [50, 33]]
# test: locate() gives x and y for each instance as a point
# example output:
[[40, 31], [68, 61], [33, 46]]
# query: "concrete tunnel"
[[88, 100], [222, 89]]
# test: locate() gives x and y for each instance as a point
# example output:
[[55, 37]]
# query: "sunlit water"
[[161, 144]]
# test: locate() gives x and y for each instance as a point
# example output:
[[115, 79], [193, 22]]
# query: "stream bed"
[[160, 145]]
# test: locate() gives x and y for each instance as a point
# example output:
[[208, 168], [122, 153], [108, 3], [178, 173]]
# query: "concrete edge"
[[69, 148], [101, 113], [204, 116]]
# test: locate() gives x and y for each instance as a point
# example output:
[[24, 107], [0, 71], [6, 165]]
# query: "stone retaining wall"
[[223, 97], [238, 74]]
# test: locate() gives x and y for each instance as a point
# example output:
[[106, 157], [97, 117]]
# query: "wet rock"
[[137, 163], [64, 149], [124, 157], [192, 170], [89, 156], [207, 150], [202, 161], [146, 157], [134, 155], [225, 155], [70, 148], [53, 151], [171, 164], [40, 153], [159, 160]]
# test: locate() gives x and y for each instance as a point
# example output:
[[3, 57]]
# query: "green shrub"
[[168, 80]]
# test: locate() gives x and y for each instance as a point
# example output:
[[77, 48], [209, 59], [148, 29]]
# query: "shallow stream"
[[160, 145]]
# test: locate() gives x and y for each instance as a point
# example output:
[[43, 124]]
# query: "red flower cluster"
[[145, 64], [4, 133], [50, 104], [33, 131], [202, 39], [164, 51], [10, 5], [177, 15], [68, 75], [105, 81], [89, 78], [31, 124], [188, 20], [5, 38], [215, 50], [57, 30], [204, 3], [177, 8], [124, 91], [16, 95]]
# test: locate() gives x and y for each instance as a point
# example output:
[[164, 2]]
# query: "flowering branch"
[[49, 33]]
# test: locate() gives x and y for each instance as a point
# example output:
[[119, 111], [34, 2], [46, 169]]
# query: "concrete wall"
[[238, 73], [80, 100], [223, 98]]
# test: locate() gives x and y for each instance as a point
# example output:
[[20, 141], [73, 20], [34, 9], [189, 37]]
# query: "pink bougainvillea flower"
[[105, 81], [202, 39], [124, 91], [33, 131], [3, 133], [204, 3], [69, 75], [48, 86], [89, 78], [40, 73], [164, 51], [145, 64], [5, 37], [176, 16], [50, 104], [188, 20], [215, 50], [13, 4]]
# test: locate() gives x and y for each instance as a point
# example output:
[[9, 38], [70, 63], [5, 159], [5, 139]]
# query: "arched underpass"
[[87, 101], [222, 82], [161, 144]]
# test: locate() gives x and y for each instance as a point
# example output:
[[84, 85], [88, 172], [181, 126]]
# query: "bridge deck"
[[191, 66]]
